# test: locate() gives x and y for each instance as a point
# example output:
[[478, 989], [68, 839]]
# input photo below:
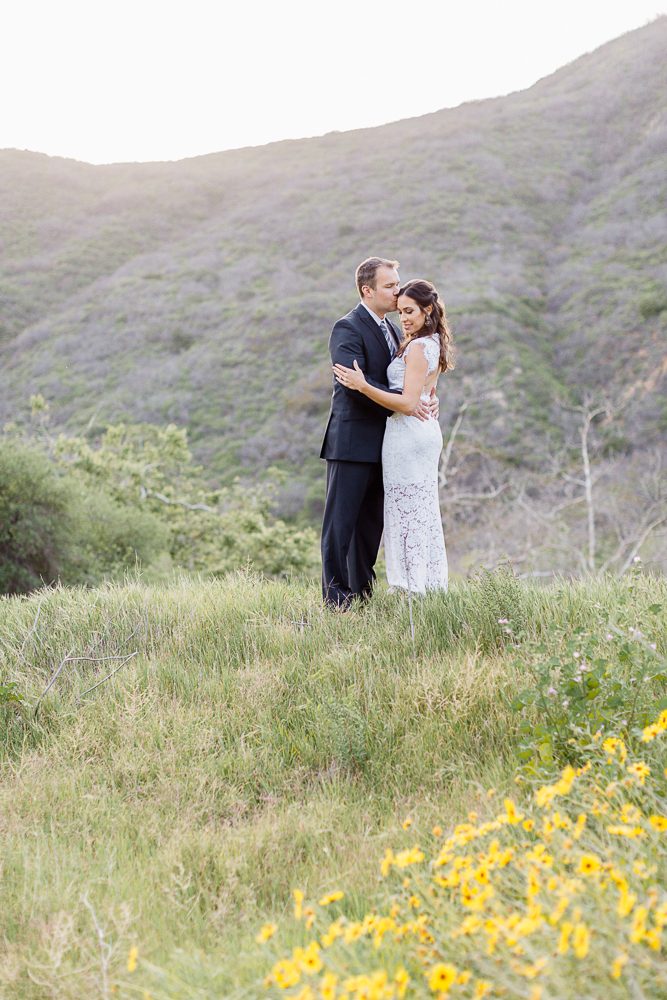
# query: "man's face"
[[382, 298]]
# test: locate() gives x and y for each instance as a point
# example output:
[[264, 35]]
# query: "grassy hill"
[[203, 291], [250, 743]]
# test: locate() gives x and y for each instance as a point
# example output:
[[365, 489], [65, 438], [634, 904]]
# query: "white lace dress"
[[414, 541]]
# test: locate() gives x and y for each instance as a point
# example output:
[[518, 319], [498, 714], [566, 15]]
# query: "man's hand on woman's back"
[[430, 409]]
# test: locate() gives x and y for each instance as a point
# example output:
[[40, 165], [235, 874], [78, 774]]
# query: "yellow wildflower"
[[265, 932], [530, 971], [132, 958], [411, 857], [566, 929], [309, 916], [407, 822], [328, 986], [401, 978], [464, 977], [298, 900], [580, 824], [330, 897], [387, 862], [589, 864], [653, 938], [617, 966], [563, 904], [625, 902], [611, 745], [441, 977], [352, 932], [311, 961], [305, 993], [286, 973], [528, 824], [482, 988], [659, 822], [630, 813], [330, 936], [437, 831], [536, 992], [650, 733], [626, 831], [640, 771], [581, 938], [511, 814], [660, 915], [638, 925]]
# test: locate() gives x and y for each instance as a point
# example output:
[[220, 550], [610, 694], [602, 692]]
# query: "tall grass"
[[255, 742]]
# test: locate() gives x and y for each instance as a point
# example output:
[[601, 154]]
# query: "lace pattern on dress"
[[431, 348], [413, 538]]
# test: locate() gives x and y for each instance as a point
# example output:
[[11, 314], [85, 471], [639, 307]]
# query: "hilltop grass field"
[[256, 743]]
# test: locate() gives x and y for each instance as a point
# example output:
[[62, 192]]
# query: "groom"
[[352, 447]]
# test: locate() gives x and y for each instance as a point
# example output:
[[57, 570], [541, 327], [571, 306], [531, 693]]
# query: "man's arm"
[[346, 345]]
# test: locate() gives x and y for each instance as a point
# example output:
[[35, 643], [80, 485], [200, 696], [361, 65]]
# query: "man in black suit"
[[352, 447]]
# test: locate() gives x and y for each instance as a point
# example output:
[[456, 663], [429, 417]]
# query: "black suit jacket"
[[356, 423]]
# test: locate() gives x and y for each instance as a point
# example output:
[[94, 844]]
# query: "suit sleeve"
[[346, 346]]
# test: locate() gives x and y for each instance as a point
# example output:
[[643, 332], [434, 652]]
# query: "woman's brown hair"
[[435, 321]]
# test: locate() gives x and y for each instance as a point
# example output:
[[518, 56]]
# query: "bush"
[[37, 521], [51, 529]]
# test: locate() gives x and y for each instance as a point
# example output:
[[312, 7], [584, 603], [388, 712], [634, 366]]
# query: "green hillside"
[[203, 291]]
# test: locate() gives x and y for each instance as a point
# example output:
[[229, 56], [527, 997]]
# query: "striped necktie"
[[388, 337]]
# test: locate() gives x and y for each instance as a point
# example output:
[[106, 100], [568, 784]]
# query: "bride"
[[413, 537]]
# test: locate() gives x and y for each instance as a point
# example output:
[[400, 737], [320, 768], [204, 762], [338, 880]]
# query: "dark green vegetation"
[[55, 529], [202, 292], [254, 744], [76, 514]]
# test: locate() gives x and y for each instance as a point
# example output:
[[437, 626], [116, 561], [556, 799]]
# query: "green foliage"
[[211, 530], [602, 679], [9, 694], [86, 513], [496, 600], [650, 307], [36, 520], [51, 528]]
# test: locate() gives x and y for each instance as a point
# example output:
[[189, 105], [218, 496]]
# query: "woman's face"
[[411, 316]]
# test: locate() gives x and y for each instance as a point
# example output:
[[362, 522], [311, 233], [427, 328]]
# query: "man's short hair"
[[366, 273]]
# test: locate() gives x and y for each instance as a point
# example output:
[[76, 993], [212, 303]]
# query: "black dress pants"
[[351, 530]]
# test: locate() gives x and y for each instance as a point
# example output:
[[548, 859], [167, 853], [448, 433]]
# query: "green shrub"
[[53, 529], [651, 307], [37, 521]]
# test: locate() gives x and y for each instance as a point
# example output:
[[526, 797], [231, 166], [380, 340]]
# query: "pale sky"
[[164, 79]]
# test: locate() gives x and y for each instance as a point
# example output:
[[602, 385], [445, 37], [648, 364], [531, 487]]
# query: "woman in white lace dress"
[[413, 537]]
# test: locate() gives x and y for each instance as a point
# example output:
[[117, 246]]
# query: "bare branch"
[[446, 455], [109, 676]]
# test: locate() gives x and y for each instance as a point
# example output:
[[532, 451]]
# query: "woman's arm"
[[416, 367]]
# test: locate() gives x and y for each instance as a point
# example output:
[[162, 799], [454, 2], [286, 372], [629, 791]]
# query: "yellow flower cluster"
[[656, 729], [509, 906]]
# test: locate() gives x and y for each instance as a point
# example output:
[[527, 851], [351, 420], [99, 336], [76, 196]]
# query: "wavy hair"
[[426, 296]]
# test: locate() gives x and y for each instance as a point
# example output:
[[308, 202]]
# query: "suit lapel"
[[371, 325]]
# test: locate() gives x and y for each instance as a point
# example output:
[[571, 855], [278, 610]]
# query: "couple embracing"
[[383, 441]]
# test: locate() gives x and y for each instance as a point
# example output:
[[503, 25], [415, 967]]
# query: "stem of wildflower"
[[407, 574]]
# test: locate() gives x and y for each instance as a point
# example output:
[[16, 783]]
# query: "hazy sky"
[[163, 79]]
